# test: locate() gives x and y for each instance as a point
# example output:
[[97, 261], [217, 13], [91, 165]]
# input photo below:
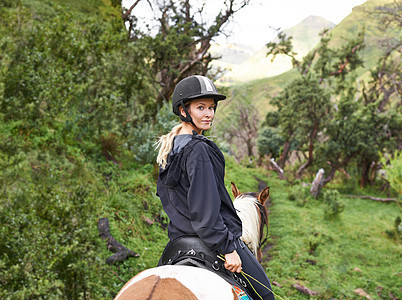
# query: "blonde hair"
[[165, 144]]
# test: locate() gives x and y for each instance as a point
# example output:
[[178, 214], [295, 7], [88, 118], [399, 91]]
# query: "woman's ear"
[[182, 112]]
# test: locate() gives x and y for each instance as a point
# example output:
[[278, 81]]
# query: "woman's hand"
[[233, 262]]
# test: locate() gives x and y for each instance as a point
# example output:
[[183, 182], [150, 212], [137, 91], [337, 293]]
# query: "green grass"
[[130, 202], [332, 257], [126, 196], [348, 252]]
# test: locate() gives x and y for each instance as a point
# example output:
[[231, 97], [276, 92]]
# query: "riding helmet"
[[194, 87]]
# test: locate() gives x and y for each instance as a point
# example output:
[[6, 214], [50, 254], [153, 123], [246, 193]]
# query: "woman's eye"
[[201, 108]]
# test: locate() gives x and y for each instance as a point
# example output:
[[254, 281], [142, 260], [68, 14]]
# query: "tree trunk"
[[250, 148], [331, 174], [284, 155], [334, 168], [364, 179], [121, 252], [374, 198], [278, 169], [310, 151], [317, 183], [373, 172]]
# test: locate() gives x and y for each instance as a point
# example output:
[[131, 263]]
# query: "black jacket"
[[193, 194]]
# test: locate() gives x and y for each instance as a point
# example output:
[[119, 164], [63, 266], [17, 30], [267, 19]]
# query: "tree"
[[382, 92], [185, 30], [269, 141], [77, 76], [345, 132], [325, 62], [302, 107], [305, 103], [357, 131], [241, 128]]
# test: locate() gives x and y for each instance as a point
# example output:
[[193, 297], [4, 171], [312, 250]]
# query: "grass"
[[136, 219], [333, 257]]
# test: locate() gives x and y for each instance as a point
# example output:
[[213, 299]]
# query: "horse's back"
[[177, 282]]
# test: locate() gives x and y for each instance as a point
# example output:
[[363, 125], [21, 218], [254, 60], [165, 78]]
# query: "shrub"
[[395, 233], [300, 194], [394, 171], [333, 206], [142, 140]]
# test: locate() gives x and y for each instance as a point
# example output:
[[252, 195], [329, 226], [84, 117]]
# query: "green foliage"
[[284, 46], [346, 134], [393, 171], [302, 108], [47, 233], [142, 141], [333, 206], [272, 119], [396, 232], [304, 105], [80, 74], [78, 122], [72, 88], [269, 142], [300, 194], [331, 258]]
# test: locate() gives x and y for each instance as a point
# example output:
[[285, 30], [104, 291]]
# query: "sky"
[[252, 24]]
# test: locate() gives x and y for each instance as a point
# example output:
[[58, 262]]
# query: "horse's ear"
[[263, 195], [235, 190]]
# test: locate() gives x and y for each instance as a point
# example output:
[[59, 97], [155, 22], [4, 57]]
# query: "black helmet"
[[193, 87]]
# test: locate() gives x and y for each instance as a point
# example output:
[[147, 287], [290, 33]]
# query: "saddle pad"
[[241, 295]]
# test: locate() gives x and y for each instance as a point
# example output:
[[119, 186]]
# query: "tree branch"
[[278, 169], [128, 12], [121, 252], [373, 198]]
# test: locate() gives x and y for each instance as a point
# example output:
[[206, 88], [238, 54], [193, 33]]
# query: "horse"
[[192, 283], [251, 209]]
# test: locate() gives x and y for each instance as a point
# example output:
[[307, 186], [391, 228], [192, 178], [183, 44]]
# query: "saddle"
[[191, 251]]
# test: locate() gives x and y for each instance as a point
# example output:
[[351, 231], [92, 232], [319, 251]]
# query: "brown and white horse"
[[253, 213], [191, 283]]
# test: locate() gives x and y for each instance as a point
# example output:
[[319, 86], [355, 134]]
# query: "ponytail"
[[165, 145]]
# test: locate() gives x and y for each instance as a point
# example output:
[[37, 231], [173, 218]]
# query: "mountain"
[[264, 89], [244, 63]]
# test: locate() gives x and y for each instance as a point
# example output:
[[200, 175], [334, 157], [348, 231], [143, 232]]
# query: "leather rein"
[[264, 223]]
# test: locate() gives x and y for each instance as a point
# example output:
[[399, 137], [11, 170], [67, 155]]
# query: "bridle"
[[264, 220], [264, 223]]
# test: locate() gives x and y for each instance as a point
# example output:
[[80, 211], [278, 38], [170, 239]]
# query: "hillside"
[[257, 65], [46, 9], [77, 145], [264, 89]]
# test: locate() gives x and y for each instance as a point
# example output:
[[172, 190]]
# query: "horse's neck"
[[246, 207]]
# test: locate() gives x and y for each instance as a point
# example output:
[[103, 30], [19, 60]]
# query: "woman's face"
[[202, 112]]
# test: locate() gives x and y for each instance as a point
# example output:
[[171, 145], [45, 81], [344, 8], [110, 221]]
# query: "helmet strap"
[[186, 118]]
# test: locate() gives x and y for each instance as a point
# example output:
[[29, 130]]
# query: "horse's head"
[[251, 209]]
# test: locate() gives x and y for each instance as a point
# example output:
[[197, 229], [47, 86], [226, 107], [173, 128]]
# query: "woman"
[[191, 182]]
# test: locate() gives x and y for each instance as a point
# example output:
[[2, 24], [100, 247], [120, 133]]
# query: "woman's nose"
[[209, 113]]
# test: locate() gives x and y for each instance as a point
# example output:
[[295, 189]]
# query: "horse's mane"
[[246, 206]]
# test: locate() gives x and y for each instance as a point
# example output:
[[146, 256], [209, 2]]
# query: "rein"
[[264, 223], [264, 220]]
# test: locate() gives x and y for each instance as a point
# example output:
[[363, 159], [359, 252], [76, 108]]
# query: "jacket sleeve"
[[204, 202]]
